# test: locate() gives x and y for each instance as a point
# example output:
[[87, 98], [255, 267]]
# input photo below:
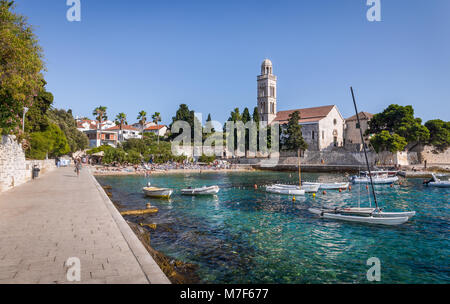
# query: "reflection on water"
[[244, 235]]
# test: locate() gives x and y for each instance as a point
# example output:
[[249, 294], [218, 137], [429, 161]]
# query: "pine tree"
[[294, 139], [246, 116]]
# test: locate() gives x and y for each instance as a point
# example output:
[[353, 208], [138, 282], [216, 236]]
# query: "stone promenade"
[[58, 216]]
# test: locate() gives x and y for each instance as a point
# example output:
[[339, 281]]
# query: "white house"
[[127, 132], [160, 130], [101, 137]]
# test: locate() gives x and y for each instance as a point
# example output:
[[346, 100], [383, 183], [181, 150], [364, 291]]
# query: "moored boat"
[[378, 179], [328, 186], [157, 192], [360, 219], [211, 190], [368, 212], [436, 182], [286, 191], [309, 188], [365, 215]]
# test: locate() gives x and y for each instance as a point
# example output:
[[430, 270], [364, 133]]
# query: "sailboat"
[[365, 215], [293, 189]]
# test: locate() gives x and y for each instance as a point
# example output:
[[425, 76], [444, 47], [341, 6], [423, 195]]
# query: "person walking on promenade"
[[78, 166]]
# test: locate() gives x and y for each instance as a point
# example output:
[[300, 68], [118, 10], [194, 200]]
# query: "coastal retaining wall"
[[339, 157], [14, 168], [434, 157]]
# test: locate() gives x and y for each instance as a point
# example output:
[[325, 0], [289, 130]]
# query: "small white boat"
[[310, 188], [376, 180], [328, 186], [361, 219], [436, 182], [157, 192], [287, 191], [212, 190]]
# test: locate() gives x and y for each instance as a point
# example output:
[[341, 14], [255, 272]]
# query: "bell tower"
[[267, 92]]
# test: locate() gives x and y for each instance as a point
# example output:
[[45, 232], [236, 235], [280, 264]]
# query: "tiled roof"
[[124, 127], [92, 124], [306, 115], [158, 127], [362, 115]]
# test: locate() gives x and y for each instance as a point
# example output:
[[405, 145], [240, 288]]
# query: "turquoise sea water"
[[245, 235]]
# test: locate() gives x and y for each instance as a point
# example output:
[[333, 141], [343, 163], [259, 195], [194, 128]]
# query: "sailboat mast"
[[365, 152], [299, 172]]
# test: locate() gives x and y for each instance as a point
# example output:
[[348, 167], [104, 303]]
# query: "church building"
[[322, 127]]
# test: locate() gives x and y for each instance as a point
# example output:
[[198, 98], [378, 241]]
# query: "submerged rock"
[[177, 271]]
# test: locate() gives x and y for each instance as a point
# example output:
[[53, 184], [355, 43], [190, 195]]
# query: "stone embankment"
[[14, 168]]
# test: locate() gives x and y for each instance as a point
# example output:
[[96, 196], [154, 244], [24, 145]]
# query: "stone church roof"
[[362, 116], [306, 115]]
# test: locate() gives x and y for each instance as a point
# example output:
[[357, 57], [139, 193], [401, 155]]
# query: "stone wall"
[[14, 169], [432, 156]]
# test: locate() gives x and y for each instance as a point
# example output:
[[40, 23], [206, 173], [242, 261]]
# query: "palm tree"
[[157, 118], [142, 120], [121, 119], [100, 114]]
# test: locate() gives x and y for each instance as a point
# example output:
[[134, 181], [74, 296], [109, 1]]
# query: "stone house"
[[351, 128]]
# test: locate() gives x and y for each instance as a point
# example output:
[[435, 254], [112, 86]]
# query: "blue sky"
[[154, 55]]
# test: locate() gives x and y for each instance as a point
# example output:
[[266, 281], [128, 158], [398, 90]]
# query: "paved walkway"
[[58, 216]]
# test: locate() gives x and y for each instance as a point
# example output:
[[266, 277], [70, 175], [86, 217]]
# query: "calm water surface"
[[245, 235]]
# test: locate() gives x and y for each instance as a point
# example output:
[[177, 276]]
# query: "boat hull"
[[213, 190], [377, 181], [285, 191], [329, 186], [310, 188], [371, 212], [157, 192], [439, 184], [361, 219]]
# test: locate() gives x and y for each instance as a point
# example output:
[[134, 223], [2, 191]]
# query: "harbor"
[[246, 235]]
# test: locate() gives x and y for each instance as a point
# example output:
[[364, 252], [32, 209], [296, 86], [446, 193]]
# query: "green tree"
[[255, 116], [439, 133], [36, 119], [246, 116], [142, 117], [401, 121], [235, 115], [139, 145], [114, 155], [184, 114], [156, 119], [293, 134], [100, 115], [256, 119], [76, 139], [21, 67], [52, 142], [385, 141], [134, 157], [120, 120]]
